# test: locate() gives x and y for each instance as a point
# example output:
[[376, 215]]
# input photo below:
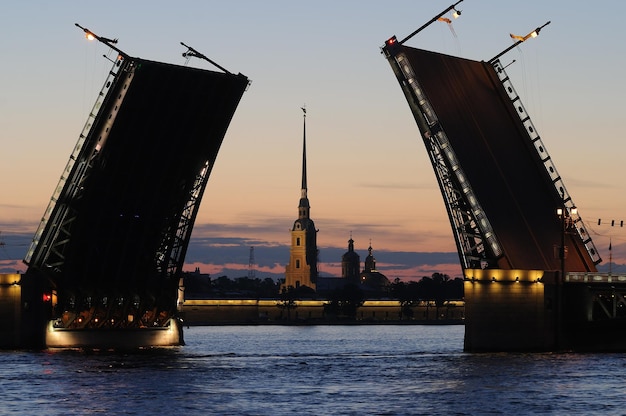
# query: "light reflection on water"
[[312, 370]]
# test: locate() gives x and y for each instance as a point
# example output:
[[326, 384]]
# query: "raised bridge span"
[[109, 251], [529, 263]]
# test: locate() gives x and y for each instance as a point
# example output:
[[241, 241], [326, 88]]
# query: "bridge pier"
[[510, 310], [10, 310], [532, 310], [25, 308]]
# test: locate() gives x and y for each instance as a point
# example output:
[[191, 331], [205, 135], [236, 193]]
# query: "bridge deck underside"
[[498, 159]]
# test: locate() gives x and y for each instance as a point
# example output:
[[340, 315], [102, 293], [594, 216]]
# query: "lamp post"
[[559, 282], [561, 214], [566, 220], [565, 216]]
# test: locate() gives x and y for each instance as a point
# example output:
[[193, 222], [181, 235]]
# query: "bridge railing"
[[547, 161], [595, 278], [72, 160]]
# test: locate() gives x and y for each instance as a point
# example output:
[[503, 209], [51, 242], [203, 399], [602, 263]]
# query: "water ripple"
[[373, 370]]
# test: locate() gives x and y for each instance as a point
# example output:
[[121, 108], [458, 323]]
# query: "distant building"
[[350, 264], [372, 281], [302, 267]]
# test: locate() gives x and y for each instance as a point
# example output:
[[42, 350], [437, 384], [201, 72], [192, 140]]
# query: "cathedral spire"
[[303, 207], [304, 152], [302, 267]]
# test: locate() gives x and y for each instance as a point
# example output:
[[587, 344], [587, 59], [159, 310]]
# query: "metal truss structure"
[[113, 238]]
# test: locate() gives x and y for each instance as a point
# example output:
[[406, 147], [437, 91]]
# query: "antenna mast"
[[251, 265]]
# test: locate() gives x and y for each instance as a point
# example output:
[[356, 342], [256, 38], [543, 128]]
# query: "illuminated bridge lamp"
[[532, 34], [455, 14], [519, 40], [109, 42]]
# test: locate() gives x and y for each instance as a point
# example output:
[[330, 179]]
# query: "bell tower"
[[302, 267]]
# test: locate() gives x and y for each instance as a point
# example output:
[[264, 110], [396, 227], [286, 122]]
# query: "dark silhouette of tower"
[[351, 263], [370, 261]]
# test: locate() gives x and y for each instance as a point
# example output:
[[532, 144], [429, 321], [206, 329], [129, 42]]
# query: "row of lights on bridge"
[[495, 280]]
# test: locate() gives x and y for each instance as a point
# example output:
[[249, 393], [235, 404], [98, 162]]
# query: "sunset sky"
[[368, 171]]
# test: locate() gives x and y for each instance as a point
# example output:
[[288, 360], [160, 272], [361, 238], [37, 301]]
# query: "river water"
[[312, 370]]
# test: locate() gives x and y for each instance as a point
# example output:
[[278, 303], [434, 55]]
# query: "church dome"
[[374, 280]]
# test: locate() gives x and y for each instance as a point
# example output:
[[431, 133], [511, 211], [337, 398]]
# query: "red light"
[[392, 40], [47, 297]]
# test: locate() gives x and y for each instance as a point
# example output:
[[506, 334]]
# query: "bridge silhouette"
[[109, 251], [529, 263]]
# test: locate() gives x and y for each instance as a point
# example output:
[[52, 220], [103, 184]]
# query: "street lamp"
[[566, 222]]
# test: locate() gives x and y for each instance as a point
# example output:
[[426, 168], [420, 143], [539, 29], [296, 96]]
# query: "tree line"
[[438, 288], [203, 286]]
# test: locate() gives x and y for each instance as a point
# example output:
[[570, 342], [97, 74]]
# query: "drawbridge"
[[500, 186], [109, 251], [529, 263]]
